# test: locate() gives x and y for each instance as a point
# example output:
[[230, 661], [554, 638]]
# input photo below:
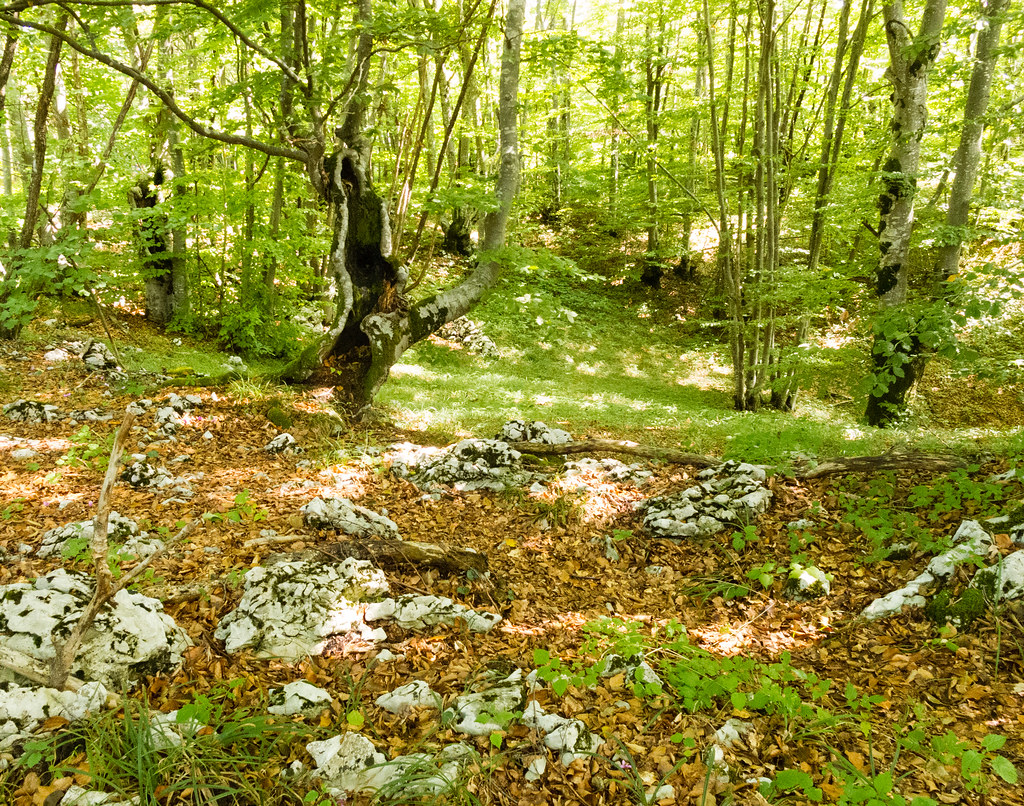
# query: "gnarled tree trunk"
[[373, 324]]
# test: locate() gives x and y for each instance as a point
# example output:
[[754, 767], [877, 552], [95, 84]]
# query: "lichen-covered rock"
[[99, 357], [532, 431], [1004, 580], [31, 411], [119, 529], [350, 763], [130, 637], [343, 515], [470, 335], [480, 713], [472, 464], [806, 583], [569, 737], [140, 474], [972, 542], [289, 609], [609, 470], [282, 443], [419, 612], [731, 494], [298, 697], [416, 694]]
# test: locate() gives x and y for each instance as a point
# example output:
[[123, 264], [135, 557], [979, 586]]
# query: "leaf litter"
[[552, 573]]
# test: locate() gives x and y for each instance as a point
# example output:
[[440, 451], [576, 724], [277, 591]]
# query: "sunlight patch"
[[409, 370]]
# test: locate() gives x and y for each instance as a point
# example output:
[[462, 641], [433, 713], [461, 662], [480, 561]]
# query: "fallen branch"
[[106, 588], [840, 465], [408, 552], [617, 446]]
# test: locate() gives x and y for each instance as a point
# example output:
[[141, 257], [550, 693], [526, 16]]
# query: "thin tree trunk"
[[968, 153]]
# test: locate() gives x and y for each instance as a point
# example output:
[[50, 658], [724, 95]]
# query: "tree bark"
[[13, 283], [968, 153], [896, 349], [391, 333]]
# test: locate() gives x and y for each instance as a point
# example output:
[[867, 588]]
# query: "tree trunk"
[[968, 153], [392, 332], [13, 283], [896, 346]]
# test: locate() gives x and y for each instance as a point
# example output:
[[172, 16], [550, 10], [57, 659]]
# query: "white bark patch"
[[385, 230]]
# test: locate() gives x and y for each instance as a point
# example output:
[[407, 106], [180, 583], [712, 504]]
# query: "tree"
[[897, 343], [372, 322]]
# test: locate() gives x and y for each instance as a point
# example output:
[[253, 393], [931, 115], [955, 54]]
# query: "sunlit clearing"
[[586, 369]]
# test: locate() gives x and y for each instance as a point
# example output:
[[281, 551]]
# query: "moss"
[[279, 417], [937, 610], [968, 609]]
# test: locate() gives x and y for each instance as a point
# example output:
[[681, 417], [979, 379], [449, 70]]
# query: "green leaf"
[[497, 737], [1004, 769], [739, 700], [560, 686], [355, 719], [993, 741], [541, 657], [793, 779]]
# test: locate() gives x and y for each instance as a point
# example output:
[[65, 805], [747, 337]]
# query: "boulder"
[[472, 464], [130, 637], [732, 494], [349, 518], [290, 608], [31, 411]]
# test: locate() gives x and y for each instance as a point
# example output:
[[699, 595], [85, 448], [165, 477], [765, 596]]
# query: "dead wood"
[[617, 446], [106, 587], [840, 465], [380, 551]]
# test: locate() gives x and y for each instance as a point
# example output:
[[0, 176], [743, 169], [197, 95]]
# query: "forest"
[[464, 402]]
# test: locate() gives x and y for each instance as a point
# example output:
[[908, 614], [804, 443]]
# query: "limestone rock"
[[472, 464], [731, 494], [282, 443], [343, 515], [298, 697], [288, 609], [418, 612], [532, 431], [416, 694], [119, 529], [807, 583], [130, 637], [31, 411], [1005, 580]]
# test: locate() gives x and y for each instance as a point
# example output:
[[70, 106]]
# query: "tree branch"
[[159, 92], [209, 9]]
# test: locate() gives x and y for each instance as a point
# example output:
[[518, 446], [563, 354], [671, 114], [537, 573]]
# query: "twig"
[[106, 588]]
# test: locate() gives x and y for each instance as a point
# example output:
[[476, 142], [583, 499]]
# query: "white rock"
[[343, 515], [23, 454], [536, 768], [663, 792], [1005, 580], [416, 694], [475, 712], [350, 763], [282, 443], [298, 697], [807, 583], [289, 609], [130, 636], [166, 731]]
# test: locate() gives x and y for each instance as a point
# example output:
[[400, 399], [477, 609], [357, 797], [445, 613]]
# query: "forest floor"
[[895, 682]]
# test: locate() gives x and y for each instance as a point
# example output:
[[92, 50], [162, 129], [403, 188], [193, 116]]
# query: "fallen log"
[[617, 446], [400, 553], [841, 465]]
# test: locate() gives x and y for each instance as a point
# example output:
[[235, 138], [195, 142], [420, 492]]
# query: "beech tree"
[[372, 321]]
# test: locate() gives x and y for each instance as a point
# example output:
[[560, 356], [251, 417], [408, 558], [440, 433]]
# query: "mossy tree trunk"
[[896, 348]]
